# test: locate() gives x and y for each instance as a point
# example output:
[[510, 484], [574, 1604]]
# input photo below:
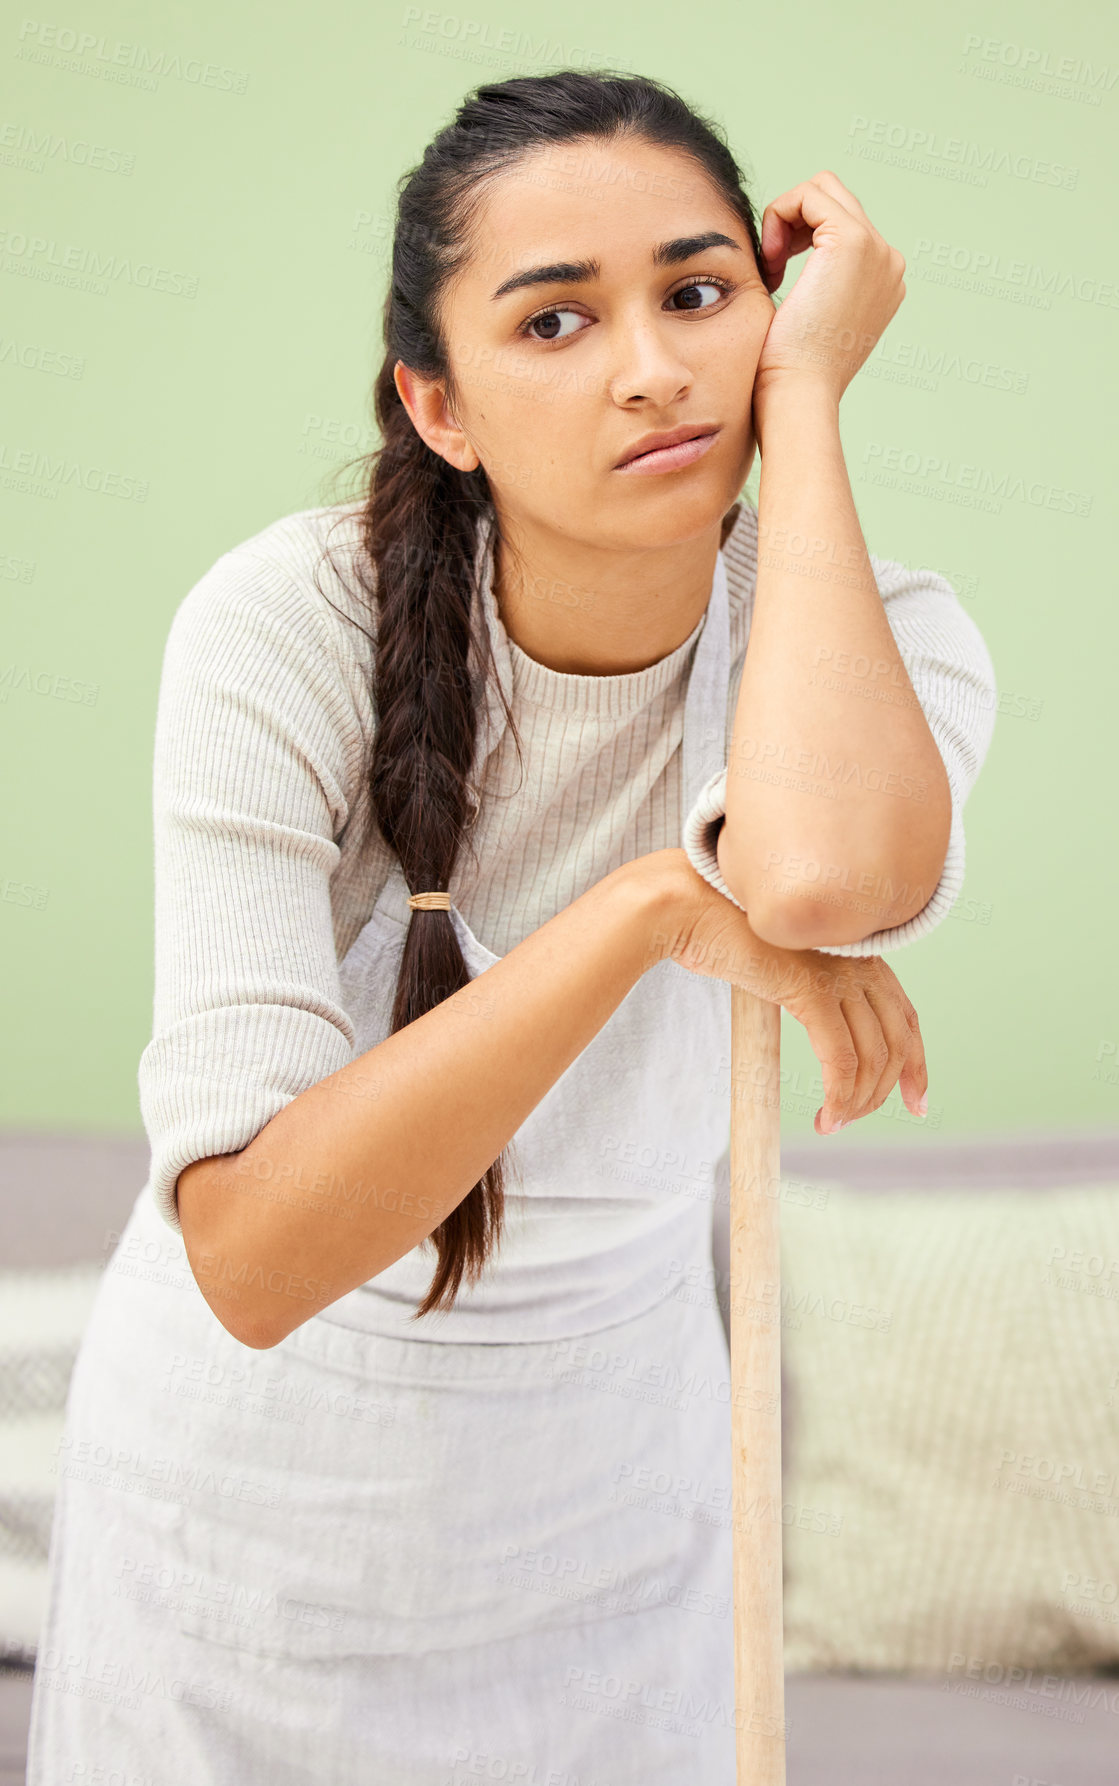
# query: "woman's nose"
[[646, 365]]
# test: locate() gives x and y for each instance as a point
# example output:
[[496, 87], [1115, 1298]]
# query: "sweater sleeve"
[[256, 743], [949, 665]]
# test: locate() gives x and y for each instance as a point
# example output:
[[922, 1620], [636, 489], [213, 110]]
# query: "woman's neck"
[[587, 612]]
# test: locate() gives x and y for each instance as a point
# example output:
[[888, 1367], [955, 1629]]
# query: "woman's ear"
[[426, 403]]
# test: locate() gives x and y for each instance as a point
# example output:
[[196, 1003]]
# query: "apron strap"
[[707, 723]]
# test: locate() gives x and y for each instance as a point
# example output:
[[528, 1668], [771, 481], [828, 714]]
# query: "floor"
[[849, 1730]]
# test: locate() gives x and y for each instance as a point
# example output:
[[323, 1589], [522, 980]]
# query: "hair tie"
[[430, 902]]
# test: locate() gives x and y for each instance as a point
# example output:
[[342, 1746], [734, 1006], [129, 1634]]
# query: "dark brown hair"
[[420, 520]]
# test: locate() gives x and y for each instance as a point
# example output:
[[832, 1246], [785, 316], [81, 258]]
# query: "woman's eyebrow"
[[575, 272]]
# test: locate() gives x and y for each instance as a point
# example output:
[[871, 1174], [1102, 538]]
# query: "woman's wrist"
[[661, 890], [800, 400]]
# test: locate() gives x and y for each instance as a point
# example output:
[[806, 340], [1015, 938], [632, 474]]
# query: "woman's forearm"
[[834, 778], [362, 1166]]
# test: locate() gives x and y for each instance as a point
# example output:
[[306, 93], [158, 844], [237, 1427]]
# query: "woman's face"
[[569, 341]]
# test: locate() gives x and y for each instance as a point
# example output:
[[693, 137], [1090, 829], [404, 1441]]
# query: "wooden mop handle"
[[755, 1375]]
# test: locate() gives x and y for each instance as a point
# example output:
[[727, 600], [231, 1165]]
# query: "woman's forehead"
[[520, 226]]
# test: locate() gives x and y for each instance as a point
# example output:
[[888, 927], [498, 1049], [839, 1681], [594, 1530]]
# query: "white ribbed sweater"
[[267, 863]]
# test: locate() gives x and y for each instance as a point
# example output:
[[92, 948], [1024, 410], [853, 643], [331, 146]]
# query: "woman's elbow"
[[203, 1199], [805, 924]]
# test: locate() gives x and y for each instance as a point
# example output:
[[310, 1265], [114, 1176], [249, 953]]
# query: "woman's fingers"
[[873, 1051], [829, 182], [891, 1050], [791, 220], [825, 1024], [788, 225], [844, 196], [867, 1039], [900, 1019]]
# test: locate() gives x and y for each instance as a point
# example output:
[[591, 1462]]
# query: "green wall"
[[250, 156]]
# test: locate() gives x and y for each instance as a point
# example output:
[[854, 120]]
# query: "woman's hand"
[[843, 299], [862, 1027]]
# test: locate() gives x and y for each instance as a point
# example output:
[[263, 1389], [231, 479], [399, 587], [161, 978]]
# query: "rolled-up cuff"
[[210, 1083], [700, 834], [944, 897]]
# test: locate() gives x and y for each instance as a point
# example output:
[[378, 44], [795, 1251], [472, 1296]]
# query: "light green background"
[[258, 194]]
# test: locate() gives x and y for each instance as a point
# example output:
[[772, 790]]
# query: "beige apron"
[[492, 1544]]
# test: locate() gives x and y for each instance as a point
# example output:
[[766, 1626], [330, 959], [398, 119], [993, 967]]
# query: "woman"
[[397, 1448]]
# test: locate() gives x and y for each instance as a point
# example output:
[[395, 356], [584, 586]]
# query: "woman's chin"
[[663, 517]]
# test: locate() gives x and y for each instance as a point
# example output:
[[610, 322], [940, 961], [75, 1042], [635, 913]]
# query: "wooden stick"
[[755, 1374]]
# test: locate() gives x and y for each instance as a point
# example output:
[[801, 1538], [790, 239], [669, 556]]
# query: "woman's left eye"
[[718, 286]]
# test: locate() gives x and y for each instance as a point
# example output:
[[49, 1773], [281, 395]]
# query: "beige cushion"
[[951, 1479]]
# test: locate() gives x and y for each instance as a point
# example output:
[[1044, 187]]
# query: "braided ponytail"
[[420, 532]]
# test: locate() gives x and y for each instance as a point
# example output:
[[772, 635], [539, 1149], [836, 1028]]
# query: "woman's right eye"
[[546, 316]]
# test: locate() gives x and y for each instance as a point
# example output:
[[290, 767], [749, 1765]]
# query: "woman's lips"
[[669, 458]]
